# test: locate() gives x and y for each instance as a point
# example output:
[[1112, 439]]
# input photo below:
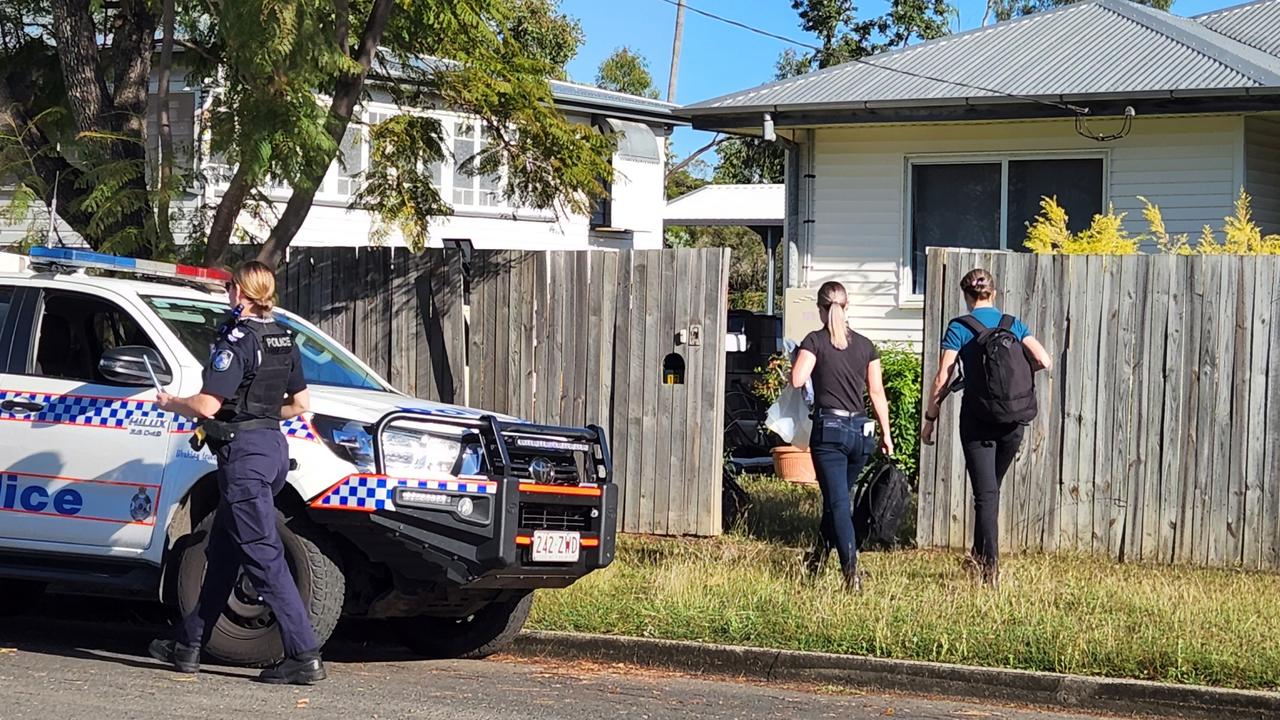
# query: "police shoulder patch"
[[221, 360]]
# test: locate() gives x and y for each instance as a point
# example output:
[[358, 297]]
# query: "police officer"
[[844, 366], [253, 381]]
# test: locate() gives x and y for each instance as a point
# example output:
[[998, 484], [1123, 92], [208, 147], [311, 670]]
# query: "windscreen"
[[324, 362]]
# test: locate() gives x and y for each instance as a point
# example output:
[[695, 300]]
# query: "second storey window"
[[471, 187], [987, 204]]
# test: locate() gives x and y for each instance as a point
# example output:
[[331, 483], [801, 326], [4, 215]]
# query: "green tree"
[[843, 38], [1000, 10], [290, 77], [544, 32], [626, 71]]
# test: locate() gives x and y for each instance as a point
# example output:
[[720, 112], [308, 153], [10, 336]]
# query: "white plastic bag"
[[788, 418]]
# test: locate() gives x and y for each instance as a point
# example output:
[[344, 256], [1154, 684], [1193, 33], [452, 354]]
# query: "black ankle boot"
[[814, 559], [305, 669], [852, 579], [991, 574], [183, 658]]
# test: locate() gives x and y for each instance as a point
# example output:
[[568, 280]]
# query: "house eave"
[[747, 120]]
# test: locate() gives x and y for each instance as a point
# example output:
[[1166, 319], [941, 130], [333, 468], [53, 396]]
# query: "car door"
[[82, 456]]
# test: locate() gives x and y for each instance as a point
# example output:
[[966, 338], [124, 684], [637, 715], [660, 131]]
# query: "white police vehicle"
[[438, 518]]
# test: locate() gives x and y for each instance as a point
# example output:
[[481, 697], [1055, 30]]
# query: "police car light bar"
[[87, 259]]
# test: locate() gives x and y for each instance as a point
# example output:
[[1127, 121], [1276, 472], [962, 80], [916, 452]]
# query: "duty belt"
[[222, 432]]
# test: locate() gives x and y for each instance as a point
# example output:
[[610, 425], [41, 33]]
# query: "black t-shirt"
[[840, 376]]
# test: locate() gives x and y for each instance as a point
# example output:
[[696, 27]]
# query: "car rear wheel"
[[480, 634], [247, 632]]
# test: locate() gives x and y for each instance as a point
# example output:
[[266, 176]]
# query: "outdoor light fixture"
[[769, 134]]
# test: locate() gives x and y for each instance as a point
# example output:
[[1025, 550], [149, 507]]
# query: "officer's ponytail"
[[833, 298], [258, 284]]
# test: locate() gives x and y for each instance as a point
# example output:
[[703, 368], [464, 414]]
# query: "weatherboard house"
[[953, 142], [630, 217]]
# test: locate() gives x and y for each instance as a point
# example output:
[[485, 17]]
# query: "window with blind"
[[988, 204]]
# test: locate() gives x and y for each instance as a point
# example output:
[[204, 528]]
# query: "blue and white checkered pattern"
[[87, 411], [299, 428], [117, 414], [371, 493]]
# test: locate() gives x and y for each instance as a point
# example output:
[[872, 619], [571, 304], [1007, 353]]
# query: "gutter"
[[695, 112]]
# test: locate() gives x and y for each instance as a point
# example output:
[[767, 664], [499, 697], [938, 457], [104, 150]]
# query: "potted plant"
[[789, 462]]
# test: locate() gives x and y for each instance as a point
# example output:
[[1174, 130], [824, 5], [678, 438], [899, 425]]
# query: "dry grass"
[[1058, 613]]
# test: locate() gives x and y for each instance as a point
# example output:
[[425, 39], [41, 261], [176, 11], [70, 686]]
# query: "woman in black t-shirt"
[[843, 365]]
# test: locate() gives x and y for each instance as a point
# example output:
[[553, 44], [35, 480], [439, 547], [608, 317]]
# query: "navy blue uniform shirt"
[[235, 358]]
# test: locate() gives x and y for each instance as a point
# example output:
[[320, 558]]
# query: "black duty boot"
[[815, 558], [305, 669], [991, 574], [183, 658], [852, 579]]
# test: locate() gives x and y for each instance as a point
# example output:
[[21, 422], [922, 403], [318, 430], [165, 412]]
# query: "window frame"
[[907, 297], [17, 329], [35, 315]]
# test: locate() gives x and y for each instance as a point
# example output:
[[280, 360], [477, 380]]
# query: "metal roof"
[[564, 94], [1256, 24], [1099, 48], [745, 205], [568, 91]]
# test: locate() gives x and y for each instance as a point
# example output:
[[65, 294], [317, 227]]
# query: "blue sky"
[[718, 58]]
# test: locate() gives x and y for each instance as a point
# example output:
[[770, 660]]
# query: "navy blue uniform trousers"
[[839, 451], [251, 470]]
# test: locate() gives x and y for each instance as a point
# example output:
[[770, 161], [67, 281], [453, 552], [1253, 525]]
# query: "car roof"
[[126, 286]]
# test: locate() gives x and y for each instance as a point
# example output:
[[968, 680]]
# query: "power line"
[[743, 26], [920, 76]]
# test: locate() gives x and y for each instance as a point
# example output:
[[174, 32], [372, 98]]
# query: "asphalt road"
[[59, 664]]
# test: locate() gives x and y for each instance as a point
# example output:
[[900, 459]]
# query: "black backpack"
[[1002, 385], [879, 506]]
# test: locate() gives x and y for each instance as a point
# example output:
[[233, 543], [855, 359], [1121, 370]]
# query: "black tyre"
[[247, 632], [478, 635], [19, 596]]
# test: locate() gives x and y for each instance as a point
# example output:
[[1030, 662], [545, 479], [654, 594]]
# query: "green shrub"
[[903, 376], [752, 300]]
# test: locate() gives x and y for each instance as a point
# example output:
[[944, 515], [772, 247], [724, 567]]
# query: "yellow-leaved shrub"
[[1106, 234]]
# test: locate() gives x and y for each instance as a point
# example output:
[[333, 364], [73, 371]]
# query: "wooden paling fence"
[[566, 338], [399, 312], [1158, 437]]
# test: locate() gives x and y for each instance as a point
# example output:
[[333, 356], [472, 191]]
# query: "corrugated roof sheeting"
[[1256, 24], [1092, 48]]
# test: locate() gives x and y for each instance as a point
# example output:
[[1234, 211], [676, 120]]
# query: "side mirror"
[[125, 365]]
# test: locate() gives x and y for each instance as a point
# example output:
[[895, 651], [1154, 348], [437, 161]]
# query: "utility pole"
[[675, 53]]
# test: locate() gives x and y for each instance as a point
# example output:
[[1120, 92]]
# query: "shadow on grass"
[[779, 512], [787, 513]]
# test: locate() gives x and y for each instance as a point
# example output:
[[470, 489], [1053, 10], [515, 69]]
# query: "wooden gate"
[[632, 341]]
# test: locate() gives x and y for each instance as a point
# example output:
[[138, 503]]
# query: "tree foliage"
[[1001, 10], [287, 77], [626, 71]]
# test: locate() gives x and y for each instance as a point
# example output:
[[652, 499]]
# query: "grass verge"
[[1060, 613]]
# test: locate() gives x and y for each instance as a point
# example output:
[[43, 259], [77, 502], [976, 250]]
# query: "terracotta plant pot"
[[793, 464]]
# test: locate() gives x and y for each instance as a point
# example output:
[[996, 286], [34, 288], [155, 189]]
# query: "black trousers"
[[989, 450]]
